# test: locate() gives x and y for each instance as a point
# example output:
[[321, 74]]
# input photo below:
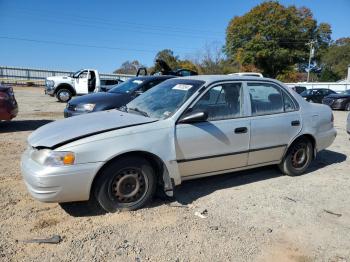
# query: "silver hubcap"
[[64, 95], [299, 157], [129, 186]]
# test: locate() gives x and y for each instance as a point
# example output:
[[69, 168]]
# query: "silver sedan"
[[182, 129]]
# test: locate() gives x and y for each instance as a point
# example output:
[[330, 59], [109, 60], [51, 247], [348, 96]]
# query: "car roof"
[[215, 78], [320, 89]]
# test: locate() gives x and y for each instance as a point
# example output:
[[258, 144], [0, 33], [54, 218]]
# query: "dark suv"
[[8, 103], [338, 101], [316, 95]]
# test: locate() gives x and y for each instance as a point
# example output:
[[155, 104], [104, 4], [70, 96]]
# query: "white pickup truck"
[[80, 83]]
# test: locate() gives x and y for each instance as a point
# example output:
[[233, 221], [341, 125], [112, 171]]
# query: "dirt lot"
[[257, 215]]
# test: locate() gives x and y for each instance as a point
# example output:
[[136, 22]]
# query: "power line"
[[120, 29], [95, 20], [75, 44]]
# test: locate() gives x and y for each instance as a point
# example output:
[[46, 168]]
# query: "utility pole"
[[311, 55]]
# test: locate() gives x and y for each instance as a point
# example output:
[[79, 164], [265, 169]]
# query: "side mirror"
[[193, 118]]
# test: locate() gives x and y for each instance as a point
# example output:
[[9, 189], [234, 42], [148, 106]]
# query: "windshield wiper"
[[138, 111]]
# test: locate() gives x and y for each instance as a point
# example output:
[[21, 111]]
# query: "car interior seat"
[[91, 81], [276, 102]]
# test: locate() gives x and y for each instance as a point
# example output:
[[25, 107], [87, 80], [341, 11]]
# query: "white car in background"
[[182, 129], [80, 83]]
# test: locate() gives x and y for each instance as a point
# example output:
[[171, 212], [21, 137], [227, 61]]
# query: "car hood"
[[338, 96], [60, 78], [116, 99], [61, 132]]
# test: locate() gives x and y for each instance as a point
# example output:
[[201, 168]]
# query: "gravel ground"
[[256, 215]]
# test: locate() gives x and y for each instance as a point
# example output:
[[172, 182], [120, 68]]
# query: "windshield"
[[165, 99], [306, 92], [127, 87], [76, 74]]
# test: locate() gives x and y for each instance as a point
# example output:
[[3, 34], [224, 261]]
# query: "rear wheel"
[[126, 184], [64, 95], [298, 158]]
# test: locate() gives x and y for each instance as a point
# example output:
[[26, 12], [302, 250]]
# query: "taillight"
[[4, 96]]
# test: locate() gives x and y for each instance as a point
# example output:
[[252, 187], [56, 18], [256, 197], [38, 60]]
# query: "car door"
[[325, 92], [219, 144], [274, 123], [81, 82], [318, 96]]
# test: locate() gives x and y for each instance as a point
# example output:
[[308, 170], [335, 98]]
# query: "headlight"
[[48, 157], [50, 83], [85, 107], [340, 100]]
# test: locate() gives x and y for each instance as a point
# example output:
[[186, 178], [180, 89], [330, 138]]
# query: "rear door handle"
[[241, 130], [295, 123]]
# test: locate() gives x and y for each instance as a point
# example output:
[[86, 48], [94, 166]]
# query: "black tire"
[[297, 158], [64, 95], [347, 107], [126, 184]]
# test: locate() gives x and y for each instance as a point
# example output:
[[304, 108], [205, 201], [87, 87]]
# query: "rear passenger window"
[[288, 103], [265, 99]]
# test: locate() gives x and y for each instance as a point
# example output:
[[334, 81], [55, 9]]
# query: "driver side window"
[[221, 102], [83, 74]]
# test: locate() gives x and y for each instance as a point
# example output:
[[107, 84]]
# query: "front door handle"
[[241, 130], [295, 123]]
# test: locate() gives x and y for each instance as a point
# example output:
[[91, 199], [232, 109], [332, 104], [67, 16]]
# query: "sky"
[[69, 35]]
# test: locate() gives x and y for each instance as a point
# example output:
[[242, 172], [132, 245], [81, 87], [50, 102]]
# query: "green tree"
[[273, 37], [168, 56], [187, 64], [128, 67], [336, 60]]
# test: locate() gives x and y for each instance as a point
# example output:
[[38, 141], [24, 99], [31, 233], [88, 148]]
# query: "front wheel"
[[298, 158], [126, 184], [64, 95]]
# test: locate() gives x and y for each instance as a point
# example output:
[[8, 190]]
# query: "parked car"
[[116, 97], [316, 95], [299, 89], [107, 84], [182, 129], [82, 82], [338, 101], [8, 103]]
